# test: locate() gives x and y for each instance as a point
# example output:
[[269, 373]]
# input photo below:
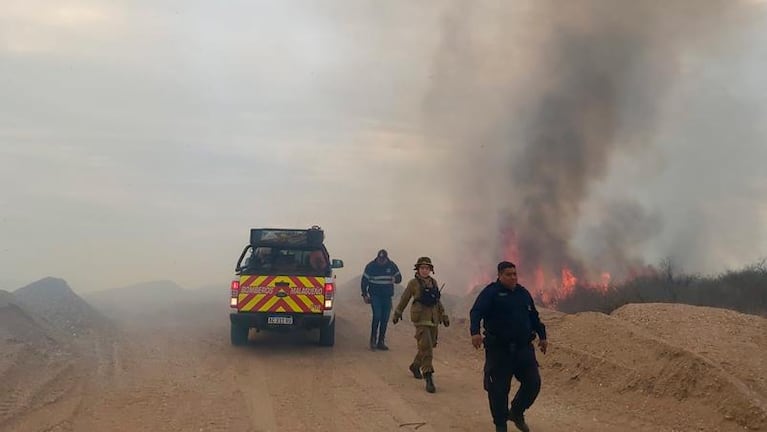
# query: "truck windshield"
[[279, 261]]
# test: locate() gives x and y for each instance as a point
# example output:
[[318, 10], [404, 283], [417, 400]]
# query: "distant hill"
[[52, 300], [137, 299], [213, 292], [18, 325], [150, 298]]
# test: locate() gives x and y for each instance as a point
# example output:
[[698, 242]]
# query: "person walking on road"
[[511, 322], [426, 313], [377, 286]]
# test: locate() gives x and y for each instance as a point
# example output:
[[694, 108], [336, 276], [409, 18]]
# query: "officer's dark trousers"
[[381, 305], [501, 364]]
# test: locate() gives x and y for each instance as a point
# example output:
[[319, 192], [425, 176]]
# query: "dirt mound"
[[732, 343], [693, 366], [52, 300], [597, 353]]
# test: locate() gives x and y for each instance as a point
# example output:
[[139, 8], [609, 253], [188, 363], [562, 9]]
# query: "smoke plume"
[[543, 101]]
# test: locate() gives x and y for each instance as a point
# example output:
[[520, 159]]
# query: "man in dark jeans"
[[511, 322], [377, 290]]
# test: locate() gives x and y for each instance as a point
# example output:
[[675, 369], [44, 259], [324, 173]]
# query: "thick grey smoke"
[[544, 100], [607, 72]]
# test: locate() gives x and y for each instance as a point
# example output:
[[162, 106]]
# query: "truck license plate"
[[280, 320]]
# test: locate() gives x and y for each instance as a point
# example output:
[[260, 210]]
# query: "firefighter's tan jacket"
[[419, 314]]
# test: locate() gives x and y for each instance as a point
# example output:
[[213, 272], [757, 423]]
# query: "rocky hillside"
[[52, 300]]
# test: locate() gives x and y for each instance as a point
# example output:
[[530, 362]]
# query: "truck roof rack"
[[287, 237]]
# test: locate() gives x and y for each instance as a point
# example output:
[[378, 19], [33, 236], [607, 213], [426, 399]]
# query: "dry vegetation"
[[743, 290]]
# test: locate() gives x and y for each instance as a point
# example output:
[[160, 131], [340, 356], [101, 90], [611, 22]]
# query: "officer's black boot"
[[373, 341], [519, 421], [416, 371], [381, 345], [429, 382], [501, 428]]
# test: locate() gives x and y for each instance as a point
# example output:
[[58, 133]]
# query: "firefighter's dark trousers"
[[502, 362]]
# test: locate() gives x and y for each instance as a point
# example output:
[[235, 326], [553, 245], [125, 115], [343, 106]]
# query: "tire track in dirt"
[[168, 381], [34, 382], [139, 381], [59, 402], [317, 388], [8, 404]]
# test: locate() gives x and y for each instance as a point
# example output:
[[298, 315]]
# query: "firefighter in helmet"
[[426, 313]]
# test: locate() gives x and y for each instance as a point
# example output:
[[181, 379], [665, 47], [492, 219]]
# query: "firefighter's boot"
[[416, 370], [429, 382]]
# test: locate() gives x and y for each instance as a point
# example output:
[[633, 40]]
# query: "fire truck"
[[284, 281]]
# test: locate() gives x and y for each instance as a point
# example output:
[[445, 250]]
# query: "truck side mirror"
[[337, 263]]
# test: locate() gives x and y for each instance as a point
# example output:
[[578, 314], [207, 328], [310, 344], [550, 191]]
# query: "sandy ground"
[[176, 371]]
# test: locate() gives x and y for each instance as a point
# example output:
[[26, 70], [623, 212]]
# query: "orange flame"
[[605, 285], [568, 282], [550, 285]]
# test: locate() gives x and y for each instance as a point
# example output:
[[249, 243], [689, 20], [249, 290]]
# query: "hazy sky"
[[142, 139]]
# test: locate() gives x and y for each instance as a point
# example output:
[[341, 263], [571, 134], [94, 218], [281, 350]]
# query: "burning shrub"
[[743, 291]]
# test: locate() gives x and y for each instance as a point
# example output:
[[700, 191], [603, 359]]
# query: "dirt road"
[[178, 372]]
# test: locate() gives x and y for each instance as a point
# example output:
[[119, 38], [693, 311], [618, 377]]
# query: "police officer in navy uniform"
[[511, 322]]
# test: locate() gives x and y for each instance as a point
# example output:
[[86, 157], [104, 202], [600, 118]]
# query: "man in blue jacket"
[[508, 314], [377, 290]]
